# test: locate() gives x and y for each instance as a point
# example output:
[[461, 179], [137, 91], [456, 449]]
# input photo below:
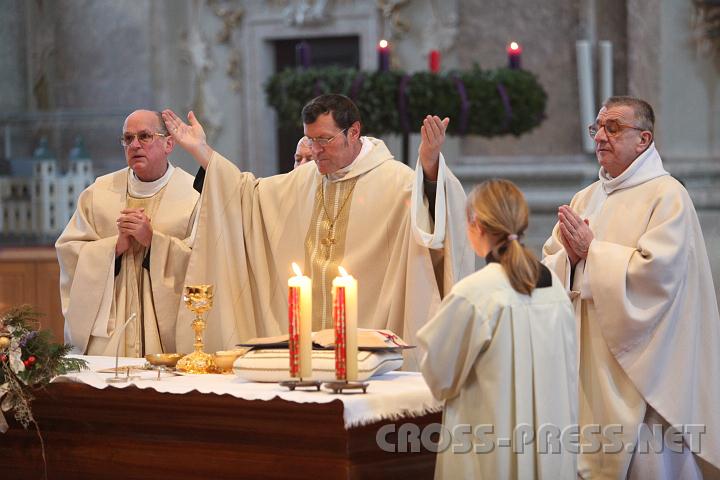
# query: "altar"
[[217, 427]]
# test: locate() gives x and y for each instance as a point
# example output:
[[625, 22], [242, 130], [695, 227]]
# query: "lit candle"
[[302, 55], [383, 56], [344, 290], [514, 50], [300, 324], [434, 61]]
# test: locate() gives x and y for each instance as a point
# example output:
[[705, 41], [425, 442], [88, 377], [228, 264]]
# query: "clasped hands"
[[133, 224], [575, 234]]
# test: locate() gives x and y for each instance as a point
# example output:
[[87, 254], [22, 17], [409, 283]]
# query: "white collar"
[[340, 174], [139, 189], [646, 166]]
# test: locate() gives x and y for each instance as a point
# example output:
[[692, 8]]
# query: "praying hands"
[[133, 223], [575, 234]]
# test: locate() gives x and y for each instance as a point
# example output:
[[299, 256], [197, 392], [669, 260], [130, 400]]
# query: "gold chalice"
[[199, 299]]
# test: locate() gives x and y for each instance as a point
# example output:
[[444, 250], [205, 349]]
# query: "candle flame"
[[343, 272], [383, 43], [296, 269], [514, 46]]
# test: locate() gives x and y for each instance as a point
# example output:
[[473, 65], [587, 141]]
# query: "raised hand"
[[190, 137], [135, 223], [432, 135]]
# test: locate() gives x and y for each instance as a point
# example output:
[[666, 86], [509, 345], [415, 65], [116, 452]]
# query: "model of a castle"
[[36, 198]]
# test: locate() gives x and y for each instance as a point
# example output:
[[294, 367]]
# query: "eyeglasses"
[[145, 138], [612, 128], [323, 141]]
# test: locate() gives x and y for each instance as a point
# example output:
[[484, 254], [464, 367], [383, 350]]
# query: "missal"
[[368, 339]]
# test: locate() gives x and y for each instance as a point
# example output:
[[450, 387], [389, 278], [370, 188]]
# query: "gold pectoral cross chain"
[[330, 239]]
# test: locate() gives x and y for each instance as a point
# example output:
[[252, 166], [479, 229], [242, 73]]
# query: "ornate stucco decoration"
[[306, 13], [441, 31]]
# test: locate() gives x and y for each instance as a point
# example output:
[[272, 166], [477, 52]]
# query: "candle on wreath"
[[514, 50], [344, 290], [383, 56], [434, 61], [300, 324], [302, 55]]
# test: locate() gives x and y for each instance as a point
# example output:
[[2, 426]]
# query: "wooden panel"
[[132, 433], [17, 284], [47, 280], [31, 275]]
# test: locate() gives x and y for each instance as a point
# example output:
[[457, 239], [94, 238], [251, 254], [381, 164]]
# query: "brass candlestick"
[[199, 299]]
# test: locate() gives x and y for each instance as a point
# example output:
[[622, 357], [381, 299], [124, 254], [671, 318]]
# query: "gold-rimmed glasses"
[[310, 141], [145, 138], [612, 128]]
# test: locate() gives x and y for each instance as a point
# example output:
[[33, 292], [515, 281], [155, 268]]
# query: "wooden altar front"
[[134, 433]]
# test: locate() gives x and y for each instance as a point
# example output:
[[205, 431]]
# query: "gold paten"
[[199, 299], [163, 359]]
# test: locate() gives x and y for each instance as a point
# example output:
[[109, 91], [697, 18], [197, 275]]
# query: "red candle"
[[434, 61], [294, 329], [383, 56], [514, 50], [340, 334]]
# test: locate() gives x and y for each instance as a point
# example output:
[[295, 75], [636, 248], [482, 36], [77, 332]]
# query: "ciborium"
[[198, 299]]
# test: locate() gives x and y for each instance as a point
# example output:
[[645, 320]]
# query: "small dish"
[[163, 359], [224, 359]]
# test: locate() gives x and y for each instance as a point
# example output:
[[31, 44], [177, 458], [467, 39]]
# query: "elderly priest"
[[396, 231], [630, 250], [126, 249]]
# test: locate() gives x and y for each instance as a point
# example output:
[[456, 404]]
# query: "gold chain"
[[331, 237]]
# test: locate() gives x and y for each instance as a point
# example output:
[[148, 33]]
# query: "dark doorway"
[[324, 52]]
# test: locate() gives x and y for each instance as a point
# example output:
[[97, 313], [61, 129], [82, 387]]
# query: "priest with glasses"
[[631, 253], [399, 232], [125, 250]]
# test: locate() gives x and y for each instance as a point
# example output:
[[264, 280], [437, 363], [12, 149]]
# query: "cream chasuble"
[[501, 360], [646, 309], [373, 223], [95, 301]]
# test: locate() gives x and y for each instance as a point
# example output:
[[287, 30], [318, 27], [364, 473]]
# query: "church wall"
[[12, 57]]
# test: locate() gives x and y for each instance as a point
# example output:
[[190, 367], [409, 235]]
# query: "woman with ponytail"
[[502, 353]]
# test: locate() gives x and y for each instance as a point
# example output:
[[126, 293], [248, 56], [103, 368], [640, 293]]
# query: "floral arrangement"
[[28, 360]]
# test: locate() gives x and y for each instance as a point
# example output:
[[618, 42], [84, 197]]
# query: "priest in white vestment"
[[502, 353], [125, 250], [353, 206], [630, 250]]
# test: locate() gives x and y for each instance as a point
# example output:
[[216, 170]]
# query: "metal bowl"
[[224, 359], [163, 359]]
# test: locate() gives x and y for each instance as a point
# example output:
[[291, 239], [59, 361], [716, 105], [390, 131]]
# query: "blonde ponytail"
[[500, 208]]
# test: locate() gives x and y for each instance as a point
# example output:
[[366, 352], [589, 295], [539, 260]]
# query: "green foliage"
[[29, 359], [377, 96]]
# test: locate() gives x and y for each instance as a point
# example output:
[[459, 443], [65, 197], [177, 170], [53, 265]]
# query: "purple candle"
[[383, 56], [302, 55]]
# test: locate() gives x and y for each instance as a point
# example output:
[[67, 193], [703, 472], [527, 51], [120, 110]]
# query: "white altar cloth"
[[389, 397]]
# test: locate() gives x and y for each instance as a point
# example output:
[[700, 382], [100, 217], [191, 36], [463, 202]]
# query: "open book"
[[368, 339]]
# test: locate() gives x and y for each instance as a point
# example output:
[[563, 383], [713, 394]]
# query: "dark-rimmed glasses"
[[612, 128], [323, 141], [145, 138]]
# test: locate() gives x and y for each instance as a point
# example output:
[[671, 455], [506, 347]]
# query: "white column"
[[605, 49], [586, 91]]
